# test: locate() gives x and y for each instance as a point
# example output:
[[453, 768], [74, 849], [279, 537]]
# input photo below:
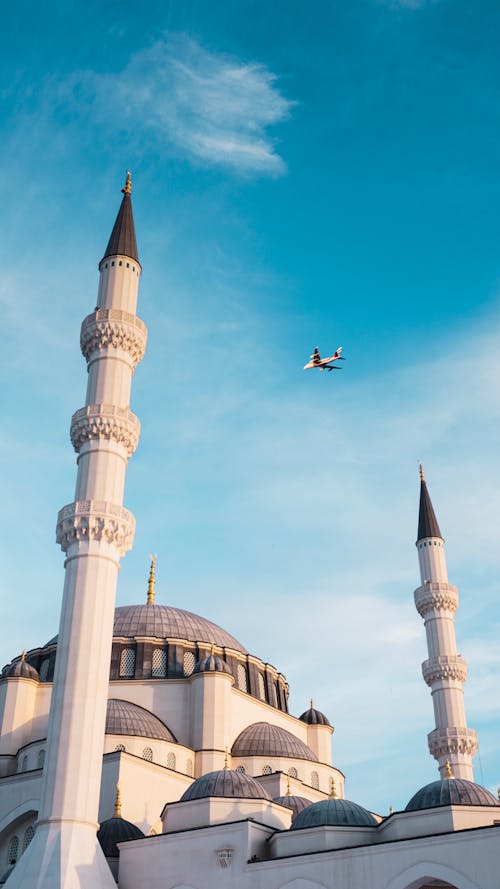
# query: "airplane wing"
[[315, 355]]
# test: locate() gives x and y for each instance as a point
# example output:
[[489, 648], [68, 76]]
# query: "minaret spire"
[[94, 532], [445, 671]]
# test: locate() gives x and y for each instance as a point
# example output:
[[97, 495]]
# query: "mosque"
[[169, 759]]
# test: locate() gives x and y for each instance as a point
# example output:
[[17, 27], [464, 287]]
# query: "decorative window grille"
[[292, 772], [127, 662], [267, 770], [240, 769], [315, 780], [120, 747], [28, 836], [171, 761], [242, 678], [188, 663], [261, 687], [13, 849], [147, 753], [159, 663], [189, 767], [41, 759], [44, 670]]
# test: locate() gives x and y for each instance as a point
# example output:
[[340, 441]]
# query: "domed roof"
[[125, 718], [264, 739], [449, 792], [226, 783], [314, 717], [116, 830], [295, 803], [334, 813], [22, 669], [212, 664]]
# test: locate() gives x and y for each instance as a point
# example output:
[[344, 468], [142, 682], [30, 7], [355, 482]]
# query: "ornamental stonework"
[[95, 521], [107, 421], [444, 667], [113, 329], [454, 740], [436, 597]]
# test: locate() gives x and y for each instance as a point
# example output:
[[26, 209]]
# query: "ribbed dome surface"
[[334, 813], [164, 621], [314, 717], [116, 830], [225, 783], [264, 739], [23, 670], [125, 718], [296, 803], [212, 664], [449, 792]]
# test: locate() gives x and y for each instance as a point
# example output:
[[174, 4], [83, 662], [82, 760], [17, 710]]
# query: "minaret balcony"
[[105, 421], [448, 668], [95, 521], [454, 739], [436, 596], [108, 329]]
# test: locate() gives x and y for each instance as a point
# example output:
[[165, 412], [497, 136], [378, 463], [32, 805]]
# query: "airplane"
[[325, 363]]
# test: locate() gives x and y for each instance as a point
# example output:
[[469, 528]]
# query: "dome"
[[23, 670], [334, 813], [125, 718], [296, 803], [212, 664], [264, 739], [225, 783], [451, 792], [116, 830], [314, 717]]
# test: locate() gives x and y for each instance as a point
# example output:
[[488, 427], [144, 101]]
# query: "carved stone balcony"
[[107, 421], [443, 741], [113, 329], [444, 667], [436, 597], [95, 521]]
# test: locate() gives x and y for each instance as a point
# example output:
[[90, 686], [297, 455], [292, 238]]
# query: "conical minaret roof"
[[122, 241], [427, 521]]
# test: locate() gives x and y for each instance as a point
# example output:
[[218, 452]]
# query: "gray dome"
[[314, 717], [212, 664], [23, 670], [116, 830], [163, 621], [296, 803], [125, 718], [334, 813], [264, 739], [449, 792], [226, 783]]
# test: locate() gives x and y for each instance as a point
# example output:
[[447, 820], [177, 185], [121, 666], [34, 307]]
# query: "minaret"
[[444, 671], [94, 532]]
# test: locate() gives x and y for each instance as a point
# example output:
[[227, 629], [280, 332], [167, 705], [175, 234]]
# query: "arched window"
[[120, 747], [261, 687], [267, 770], [189, 767], [315, 780], [127, 662], [159, 663], [13, 849], [41, 759], [28, 836], [24, 763], [188, 663], [44, 670], [147, 753], [292, 772], [170, 760], [240, 769], [242, 678]]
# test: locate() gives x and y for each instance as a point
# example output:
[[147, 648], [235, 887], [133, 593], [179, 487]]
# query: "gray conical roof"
[[122, 241], [427, 521]]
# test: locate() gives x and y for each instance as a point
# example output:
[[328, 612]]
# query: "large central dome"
[[164, 622]]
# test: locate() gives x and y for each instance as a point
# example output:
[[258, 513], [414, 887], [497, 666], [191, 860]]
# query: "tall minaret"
[[94, 531], [445, 671]]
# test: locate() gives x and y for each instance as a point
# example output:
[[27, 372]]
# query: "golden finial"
[[421, 470], [288, 791], [391, 810], [226, 759], [312, 704], [23, 655], [152, 581], [333, 789], [212, 649], [128, 183], [447, 768], [118, 803]]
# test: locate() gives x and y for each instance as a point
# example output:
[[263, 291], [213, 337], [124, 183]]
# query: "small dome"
[[225, 783], [296, 803], [116, 830], [125, 718], [451, 792], [264, 739], [22, 670], [314, 717], [212, 664], [334, 813]]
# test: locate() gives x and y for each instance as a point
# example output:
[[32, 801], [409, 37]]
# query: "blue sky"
[[304, 174]]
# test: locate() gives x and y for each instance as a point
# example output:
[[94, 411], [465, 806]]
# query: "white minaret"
[[444, 671], [94, 531]]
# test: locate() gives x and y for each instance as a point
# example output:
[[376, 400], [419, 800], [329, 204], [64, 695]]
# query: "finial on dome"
[[212, 649], [152, 581], [288, 791], [391, 810], [312, 704], [23, 654], [128, 183], [421, 470], [447, 769], [226, 759], [118, 803], [333, 789]]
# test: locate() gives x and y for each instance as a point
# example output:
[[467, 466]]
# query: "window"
[[315, 780], [28, 836], [120, 262], [261, 687], [188, 663], [13, 850], [44, 670], [127, 662], [120, 747], [171, 761], [267, 770], [41, 759], [113, 262], [159, 663], [128, 265], [189, 767], [147, 753], [292, 772], [242, 678], [240, 769], [24, 763]]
